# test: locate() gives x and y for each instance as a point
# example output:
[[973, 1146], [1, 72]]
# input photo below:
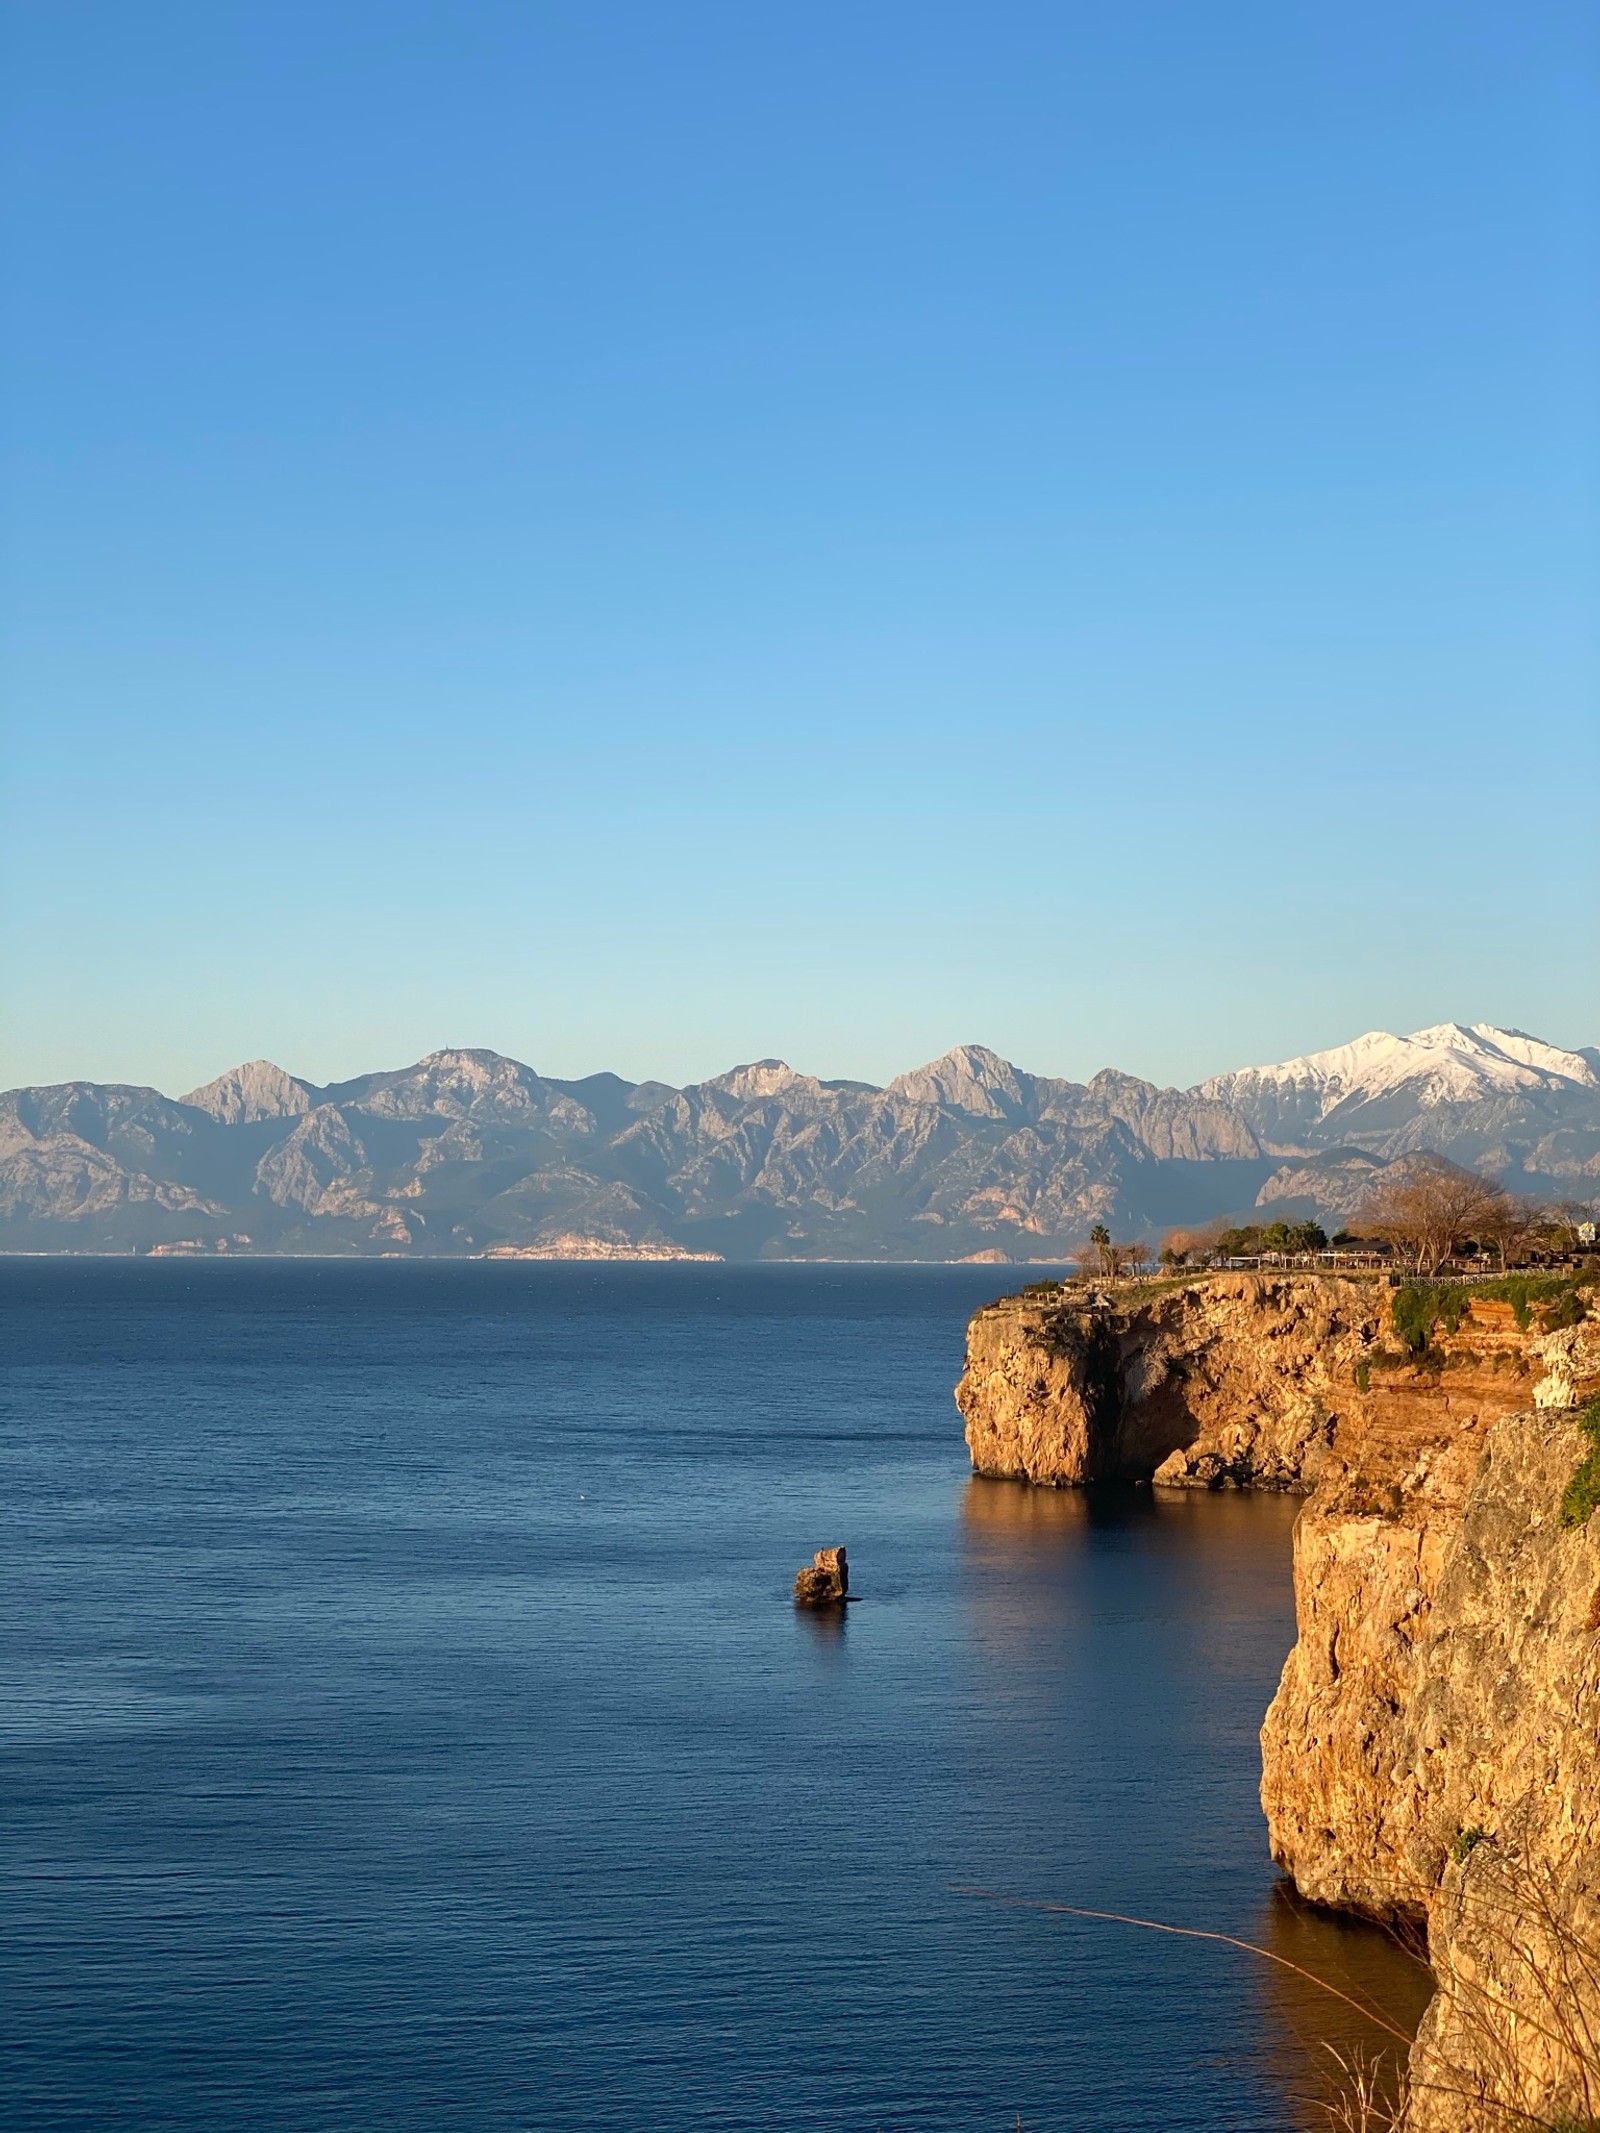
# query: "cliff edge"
[[1432, 1755], [1433, 1751], [1227, 1380]]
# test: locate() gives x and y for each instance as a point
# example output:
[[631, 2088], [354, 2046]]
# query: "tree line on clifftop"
[[1426, 1215]]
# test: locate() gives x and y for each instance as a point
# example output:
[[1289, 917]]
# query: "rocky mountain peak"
[[968, 1078], [1533, 1052], [474, 1070], [256, 1090], [1112, 1081], [761, 1079], [455, 1083]]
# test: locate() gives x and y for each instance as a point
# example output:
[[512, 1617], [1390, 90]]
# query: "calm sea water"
[[407, 1727]]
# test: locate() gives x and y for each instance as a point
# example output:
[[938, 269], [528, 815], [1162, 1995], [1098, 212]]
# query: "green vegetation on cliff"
[[1421, 1306], [1417, 1310], [1582, 1493]]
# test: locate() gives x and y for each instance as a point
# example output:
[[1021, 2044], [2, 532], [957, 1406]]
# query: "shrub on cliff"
[[1568, 1310], [1420, 1306], [1417, 1310], [1582, 1493], [1556, 1296]]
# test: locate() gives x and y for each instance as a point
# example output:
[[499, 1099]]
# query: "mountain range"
[[968, 1157]]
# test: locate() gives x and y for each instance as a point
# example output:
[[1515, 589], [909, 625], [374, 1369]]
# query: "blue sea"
[[408, 1730]]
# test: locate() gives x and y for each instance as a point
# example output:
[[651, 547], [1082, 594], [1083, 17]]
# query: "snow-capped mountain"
[[1438, 1087]]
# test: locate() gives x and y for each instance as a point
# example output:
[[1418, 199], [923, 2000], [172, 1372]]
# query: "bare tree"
[[1512, 1226], [1432, 1207], [1568, 1217]]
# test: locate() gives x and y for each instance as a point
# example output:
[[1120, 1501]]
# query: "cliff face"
[[1236, 1380], [1433, 1752]]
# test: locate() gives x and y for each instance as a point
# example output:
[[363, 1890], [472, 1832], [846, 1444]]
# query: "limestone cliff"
[[1240, 1380], [1433, 1752]]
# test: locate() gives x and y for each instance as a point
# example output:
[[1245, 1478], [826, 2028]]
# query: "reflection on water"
[[1305, 2025], [407, 1703], [1133, 1638], [1208, 1575], [825, 1626], [1020, 1515]]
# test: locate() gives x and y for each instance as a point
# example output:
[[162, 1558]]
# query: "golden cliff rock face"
[[1240, 1380], [1433, 1752]]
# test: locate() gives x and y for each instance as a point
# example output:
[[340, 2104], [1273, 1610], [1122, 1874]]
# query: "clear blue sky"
[[646, 536]]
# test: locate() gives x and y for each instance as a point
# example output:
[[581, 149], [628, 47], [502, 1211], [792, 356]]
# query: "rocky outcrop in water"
[[825, 1580]]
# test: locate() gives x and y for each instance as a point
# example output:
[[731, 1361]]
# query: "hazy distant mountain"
[[468, 1151], [256, 1090]]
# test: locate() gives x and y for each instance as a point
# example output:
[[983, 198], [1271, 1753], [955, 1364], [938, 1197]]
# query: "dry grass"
[[1511, 2040], [1368, 2096]]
